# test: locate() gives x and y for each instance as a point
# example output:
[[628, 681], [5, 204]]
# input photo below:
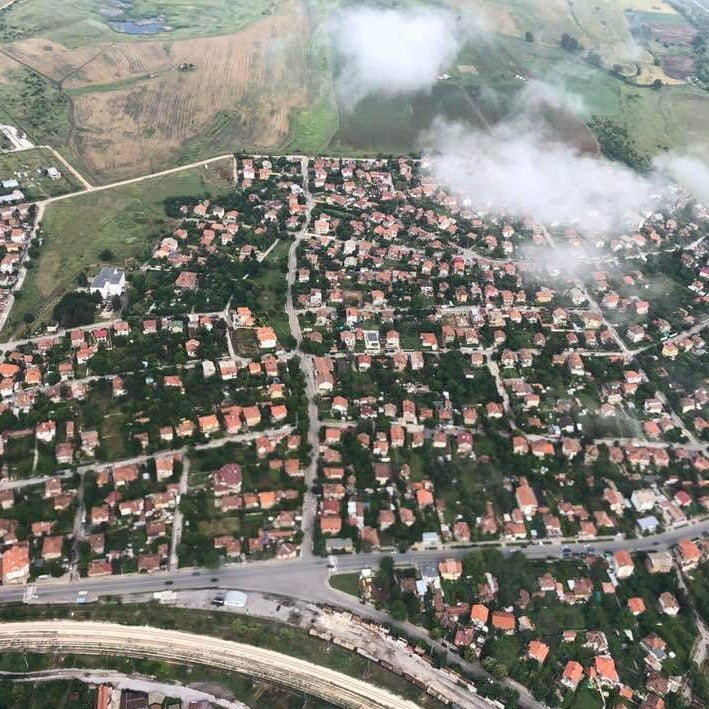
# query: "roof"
[[573, 672], [450, 566], [16, 558], [525, 496], [605, 666], [623, 558], [636, 605], [503, 620], [538, 650], [689, 550], [479, 613], [107, 276]]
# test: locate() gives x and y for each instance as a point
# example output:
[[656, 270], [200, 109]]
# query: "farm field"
[[238, 81], [23, 166], [127, 220], [666, 119], [395, 124], [171, 84], [121, 105], [639, 40]]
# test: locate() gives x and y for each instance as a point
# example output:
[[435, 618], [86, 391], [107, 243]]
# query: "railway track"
[[94, 638]]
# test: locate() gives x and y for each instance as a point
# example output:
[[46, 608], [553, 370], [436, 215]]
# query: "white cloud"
[[392, 51], [519, 168], [692, 173], [537, 96]]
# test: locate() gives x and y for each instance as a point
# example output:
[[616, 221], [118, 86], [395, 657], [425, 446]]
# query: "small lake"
[[152, 26]]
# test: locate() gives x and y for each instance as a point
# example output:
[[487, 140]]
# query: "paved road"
[[306, 366], [306, 578], [177, 520], [694, 330], [59, 334], [175, 646]]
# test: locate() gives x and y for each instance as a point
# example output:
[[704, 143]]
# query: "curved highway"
[[92, 638]]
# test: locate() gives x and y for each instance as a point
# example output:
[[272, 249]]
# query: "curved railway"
[[94, 638]]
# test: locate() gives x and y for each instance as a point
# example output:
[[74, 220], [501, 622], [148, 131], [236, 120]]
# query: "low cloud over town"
[[393, 51]]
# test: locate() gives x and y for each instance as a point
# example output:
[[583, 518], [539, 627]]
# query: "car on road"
[[195, 573], [169, 583]]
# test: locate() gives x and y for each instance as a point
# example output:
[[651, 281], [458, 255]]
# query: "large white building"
[[109, 282]]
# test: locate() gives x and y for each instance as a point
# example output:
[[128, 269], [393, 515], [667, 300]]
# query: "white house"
[[109, 282], [643, 500]]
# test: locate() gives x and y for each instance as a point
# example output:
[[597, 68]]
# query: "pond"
[[151, 26]]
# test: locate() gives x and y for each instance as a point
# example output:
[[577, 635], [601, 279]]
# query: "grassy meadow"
[[128, 220], [25, 166]]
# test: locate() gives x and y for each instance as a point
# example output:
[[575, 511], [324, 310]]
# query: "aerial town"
[[354, 354], [427, 381]]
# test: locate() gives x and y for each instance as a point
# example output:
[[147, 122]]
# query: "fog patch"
[[396, 51]]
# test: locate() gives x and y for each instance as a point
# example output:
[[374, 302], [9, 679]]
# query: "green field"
[[490, 72], [396, 124], [81, 22], [489, 76], [23, 167], [127, 220], [347, 583], [35, 104], [312, 128]]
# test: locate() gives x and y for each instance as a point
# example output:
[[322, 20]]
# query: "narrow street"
[[700, 650], [177, 520], [137, 683], [79, 532], [308, 369]]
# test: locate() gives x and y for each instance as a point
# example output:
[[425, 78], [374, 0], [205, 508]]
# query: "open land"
[[127, 105], [237, 381], [263, 77], [26, 167], [127, 220]]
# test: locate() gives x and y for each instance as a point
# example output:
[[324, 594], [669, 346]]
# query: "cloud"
[[689, 171], [517, 167], [521, 166], [391, 51], [538, 96]]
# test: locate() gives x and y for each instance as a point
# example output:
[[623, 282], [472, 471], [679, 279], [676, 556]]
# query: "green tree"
[[398, 610], [499, 671]]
